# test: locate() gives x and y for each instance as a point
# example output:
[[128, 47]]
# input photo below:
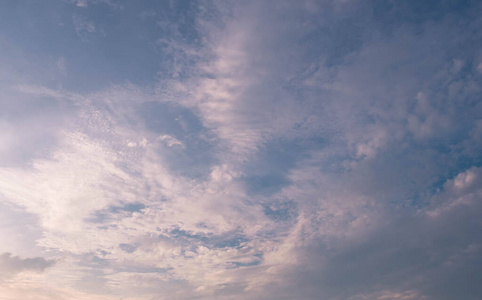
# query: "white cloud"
[[62, 65], [170, 141], [87, 3], [83, 27], [86, 176]]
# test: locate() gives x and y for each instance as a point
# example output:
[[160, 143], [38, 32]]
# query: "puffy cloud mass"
[[11, 265], [240, 150]]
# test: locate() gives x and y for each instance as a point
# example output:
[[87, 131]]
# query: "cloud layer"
[[241, 150]]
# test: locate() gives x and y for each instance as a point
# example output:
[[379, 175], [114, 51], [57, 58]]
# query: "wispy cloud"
[[83, 27]]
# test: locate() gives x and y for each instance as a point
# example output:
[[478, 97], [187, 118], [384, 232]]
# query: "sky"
[[275, 149]]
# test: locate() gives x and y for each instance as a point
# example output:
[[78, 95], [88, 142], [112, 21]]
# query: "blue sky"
[[240, 150]]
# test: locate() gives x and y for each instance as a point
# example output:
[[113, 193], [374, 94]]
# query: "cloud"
[[12, 265], [83, 27], [77, 213], [61, 65], [291, 151], [403, 255], [87, 3]]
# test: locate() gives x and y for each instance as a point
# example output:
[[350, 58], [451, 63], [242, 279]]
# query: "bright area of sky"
[[308, 150]]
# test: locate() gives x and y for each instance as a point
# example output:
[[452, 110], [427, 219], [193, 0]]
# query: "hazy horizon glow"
[[239, 150]]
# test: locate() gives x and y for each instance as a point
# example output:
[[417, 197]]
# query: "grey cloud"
[[128, 248], [12, 265], [115, 212], [435, 253], [395, 106]]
